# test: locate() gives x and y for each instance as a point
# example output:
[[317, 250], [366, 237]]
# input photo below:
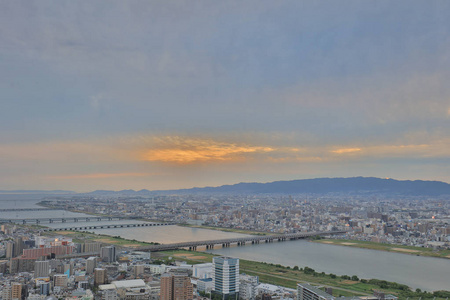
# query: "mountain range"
[[368, 185], [352, 185]]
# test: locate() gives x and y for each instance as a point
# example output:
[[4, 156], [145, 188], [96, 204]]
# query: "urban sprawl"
[[41, 265]]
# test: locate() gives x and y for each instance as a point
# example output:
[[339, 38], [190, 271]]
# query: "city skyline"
[[128, 95]]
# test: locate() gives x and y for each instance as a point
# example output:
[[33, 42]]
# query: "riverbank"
[[226, 229], [82, 237], [419, 251], [345, 285]]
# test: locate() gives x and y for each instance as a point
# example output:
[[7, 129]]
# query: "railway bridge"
[[88, 227], [27, 209], [61, 220], [240, 241]]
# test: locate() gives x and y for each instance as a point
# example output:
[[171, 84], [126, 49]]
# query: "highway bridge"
[[240, 241], [60, 220], [87, 227]]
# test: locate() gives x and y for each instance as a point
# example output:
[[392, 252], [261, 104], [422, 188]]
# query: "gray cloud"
[[285, 73]]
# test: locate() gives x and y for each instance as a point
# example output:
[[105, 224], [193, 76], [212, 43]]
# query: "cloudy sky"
[[177, 94]]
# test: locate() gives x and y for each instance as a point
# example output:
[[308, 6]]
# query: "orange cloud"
[[185, 151], [346, 150]]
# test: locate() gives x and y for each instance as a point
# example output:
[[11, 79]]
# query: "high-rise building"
[[6, 292], [247, 287], [44, 288], [91, 247], [308, 292], [99, 276], [10, 250], [60, 280], [68, 269], [18, 246], [166, 292], [18, 291], [138, 270], [176, 287], [226, 277], [20, 264], [56, 250], [91, 263], [182, 287], [108, 254], [202, 270], [3, 266], [41, 268]]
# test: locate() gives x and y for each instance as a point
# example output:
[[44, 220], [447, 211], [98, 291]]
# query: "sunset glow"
[[164, 95]]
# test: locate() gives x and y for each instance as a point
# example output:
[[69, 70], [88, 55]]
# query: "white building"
[[203, 271], [247, 287], [157, 269], [226, 277]]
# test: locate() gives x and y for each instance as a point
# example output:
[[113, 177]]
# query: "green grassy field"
[[273, 273], [388, 247], [289, 277]]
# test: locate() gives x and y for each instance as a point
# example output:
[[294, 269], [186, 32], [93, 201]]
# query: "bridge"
[[26, 209], [241, 241], [87, 227], [61, 220]]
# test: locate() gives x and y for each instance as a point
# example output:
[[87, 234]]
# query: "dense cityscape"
[[422, 222], [39, 264], [224, 150]]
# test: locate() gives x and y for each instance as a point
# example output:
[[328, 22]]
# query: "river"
[[415, 271]]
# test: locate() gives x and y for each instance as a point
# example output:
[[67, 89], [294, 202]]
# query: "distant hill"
[[369, 185], [352, 185]]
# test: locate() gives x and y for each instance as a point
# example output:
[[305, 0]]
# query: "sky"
[[178, 94]]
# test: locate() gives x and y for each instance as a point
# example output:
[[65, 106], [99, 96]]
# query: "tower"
[[226, 277]]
